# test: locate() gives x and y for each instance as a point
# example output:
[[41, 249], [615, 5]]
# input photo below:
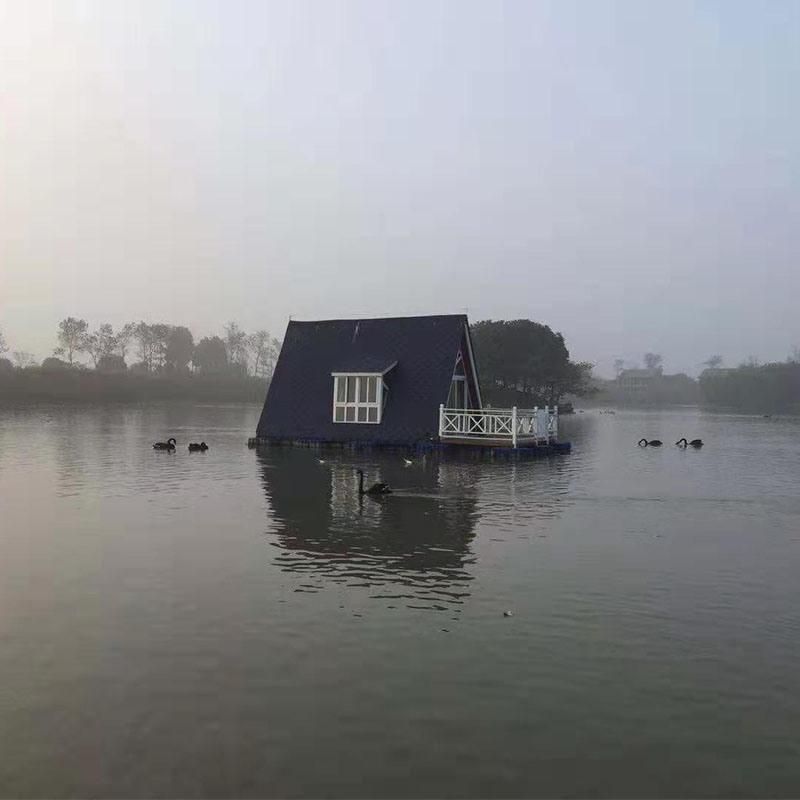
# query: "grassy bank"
[[34, 385]]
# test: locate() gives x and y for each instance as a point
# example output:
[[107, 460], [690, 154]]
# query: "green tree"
[[3, 345], [53, 364], [111, 363], [714, 362], [526, 363], [210, 355], [180, 348], [72, 335]]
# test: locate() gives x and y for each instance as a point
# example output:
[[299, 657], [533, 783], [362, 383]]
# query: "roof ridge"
[[380, 319]]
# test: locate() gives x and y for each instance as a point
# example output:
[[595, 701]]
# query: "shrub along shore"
[[37, 385]]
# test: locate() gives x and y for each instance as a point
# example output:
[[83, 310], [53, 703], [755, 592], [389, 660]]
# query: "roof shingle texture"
[[299, 404]]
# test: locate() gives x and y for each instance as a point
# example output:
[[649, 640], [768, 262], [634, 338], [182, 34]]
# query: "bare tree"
[[71, 337], [272, 357], [124, 337], [794, 356], [23, 359], [619, 366], [236, 344], [101, 343], [160, 338], [260, 345], [713, 362]]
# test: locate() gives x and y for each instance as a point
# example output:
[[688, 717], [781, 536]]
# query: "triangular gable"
[[300, 401]]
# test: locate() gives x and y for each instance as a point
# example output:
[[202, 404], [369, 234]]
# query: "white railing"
[[513, 424]]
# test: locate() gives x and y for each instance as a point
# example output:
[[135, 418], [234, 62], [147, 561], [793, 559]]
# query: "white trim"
[[380, 374], [466, 393], [356, 405], [472, 365]]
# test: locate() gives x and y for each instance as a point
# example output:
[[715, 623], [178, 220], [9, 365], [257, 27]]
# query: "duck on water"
[[652, 443], [696, 443], [375, 489], [194, 447], [168, 445]]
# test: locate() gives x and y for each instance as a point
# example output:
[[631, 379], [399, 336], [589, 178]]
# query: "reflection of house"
[[380, 381], [418, 543], [638, 382]]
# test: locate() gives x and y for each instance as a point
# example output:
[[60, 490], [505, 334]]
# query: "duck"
[[194, 447], [651, 443], [168, 445], [376, 488], [407, 461], [696, 443]]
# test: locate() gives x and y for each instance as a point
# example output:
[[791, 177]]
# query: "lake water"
[[237, 623]]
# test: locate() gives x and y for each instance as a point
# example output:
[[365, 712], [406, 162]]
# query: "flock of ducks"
[[683, 443], [172, 442]]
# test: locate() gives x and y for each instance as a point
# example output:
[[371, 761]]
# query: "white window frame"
[[460, 379], [353, 408]]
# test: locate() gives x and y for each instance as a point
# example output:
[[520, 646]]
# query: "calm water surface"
[[237, 623]]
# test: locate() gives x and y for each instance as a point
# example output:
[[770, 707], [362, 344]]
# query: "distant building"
[[636, 383]]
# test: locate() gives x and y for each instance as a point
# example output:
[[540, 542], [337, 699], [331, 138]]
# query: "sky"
[[627, 173]]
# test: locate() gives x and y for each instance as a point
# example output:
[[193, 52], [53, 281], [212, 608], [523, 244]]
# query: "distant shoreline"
[[37, 386]]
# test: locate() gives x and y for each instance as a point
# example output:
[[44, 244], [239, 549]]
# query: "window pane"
[[373, 390], [340, 413], [340, 382], [373, 414], [351, 390], [362, 389], [362, 413], [350, 414]]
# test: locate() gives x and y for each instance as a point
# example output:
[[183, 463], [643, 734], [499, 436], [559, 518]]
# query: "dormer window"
[[358, 397]]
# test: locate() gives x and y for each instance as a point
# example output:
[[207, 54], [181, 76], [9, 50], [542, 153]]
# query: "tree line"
[[157, 348], [754, 387]]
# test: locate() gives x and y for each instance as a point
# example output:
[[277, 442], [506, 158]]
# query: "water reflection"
[[411, 547]]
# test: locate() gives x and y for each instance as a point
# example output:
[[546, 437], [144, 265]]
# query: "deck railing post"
[[514, 427], [441, 419]]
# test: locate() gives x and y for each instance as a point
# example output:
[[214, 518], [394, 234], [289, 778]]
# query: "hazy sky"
[[628, 173]]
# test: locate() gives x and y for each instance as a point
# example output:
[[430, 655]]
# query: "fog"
[[627, 173]]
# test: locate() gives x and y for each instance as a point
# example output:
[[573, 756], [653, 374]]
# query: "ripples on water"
[[240, 623]]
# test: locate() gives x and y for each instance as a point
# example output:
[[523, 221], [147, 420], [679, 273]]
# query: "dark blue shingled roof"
[[299, 403]]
